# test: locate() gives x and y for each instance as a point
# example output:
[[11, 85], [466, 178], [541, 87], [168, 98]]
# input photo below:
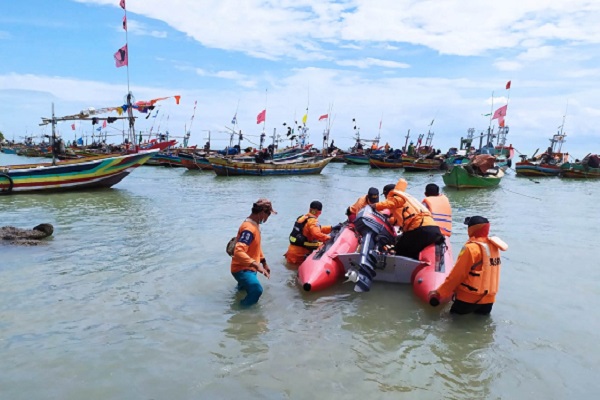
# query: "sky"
[[376, 67]]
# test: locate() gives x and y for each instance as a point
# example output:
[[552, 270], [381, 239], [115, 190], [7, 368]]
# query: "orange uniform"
[[314, 233], [407, 212], [247, 248], [441, 211], [476, 274]]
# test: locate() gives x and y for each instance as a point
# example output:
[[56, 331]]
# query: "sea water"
[[131, 298]]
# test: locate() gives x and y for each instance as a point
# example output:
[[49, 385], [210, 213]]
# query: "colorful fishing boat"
[[386, 161], [548, 163], [308, 166], [588, 168], [413, 164], [88, 173], [193, 160], [463, 177]]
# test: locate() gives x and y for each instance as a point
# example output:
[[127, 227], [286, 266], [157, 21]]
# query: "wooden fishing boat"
[[194, 161], [546, 164], [228, 167], [356, 159], [583, 169], [460, 177], [383, 161], [412, 164], [87, 173]]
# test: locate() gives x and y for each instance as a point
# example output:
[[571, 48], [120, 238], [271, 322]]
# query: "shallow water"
[[132, 297]]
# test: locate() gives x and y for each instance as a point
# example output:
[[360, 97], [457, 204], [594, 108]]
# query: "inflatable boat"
[[374, 263], [322, 268]]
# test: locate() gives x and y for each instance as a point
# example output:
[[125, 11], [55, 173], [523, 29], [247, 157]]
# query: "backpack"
[[231, 246]]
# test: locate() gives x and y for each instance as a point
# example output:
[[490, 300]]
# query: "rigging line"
[[521, 194]]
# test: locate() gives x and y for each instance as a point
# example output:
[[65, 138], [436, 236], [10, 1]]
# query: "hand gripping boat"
[[373, 262], [322, 268]]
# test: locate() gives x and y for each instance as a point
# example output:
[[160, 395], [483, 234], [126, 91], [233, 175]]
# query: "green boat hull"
[[458, 177]]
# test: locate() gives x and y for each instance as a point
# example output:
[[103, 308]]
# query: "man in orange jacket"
[[307, 234], [372, 197], [248, 257], [419, 230], [439, 207], [475, 278]]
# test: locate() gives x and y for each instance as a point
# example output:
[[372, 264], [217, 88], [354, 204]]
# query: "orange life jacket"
[[481, 284], [413, 214], [440, 209]]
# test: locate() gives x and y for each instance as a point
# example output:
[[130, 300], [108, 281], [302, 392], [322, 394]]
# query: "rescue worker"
[[439, 207], [307, 234], [372, 197], [475, 277], [419, 230], [248, 257]]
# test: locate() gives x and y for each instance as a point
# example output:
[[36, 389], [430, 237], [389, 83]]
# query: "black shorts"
[[410, 243], [461, 308]]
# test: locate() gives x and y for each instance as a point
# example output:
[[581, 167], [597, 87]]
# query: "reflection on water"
[[134, 287]]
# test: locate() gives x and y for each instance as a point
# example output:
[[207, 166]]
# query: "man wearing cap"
[[419, 230], [372, 197], [307, 234], [475, 277], [248, 257]]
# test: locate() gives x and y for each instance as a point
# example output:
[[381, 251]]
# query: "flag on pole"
[[501, 112], [261, 116], [304, 118], [501, 122], [125, 23], [324, 116], [104, 124], [121, 58], [73, 126], [80, 141], [508, 85], [99, 128], [122, 4], [234, 119]]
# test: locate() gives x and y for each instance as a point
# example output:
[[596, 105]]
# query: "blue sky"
[[403, 63]]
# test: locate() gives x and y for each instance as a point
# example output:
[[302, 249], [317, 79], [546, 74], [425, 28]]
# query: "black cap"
[[316, 205], [476, 220], [432, 190], [373, 195], [388, 188]]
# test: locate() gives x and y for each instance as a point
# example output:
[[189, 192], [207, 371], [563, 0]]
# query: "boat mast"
[[53, 136]]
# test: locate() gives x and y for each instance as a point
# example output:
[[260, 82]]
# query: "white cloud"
[[372, 62]]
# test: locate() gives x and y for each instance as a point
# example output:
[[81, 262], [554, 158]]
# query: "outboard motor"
[[376, 232]]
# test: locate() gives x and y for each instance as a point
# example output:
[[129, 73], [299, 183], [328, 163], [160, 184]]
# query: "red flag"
[[324, 116], [501, 112], [104, 124], [73, 126], [501, 122], [121, 58], [508, 85], [125, 23], [261, 116], [122, 4]]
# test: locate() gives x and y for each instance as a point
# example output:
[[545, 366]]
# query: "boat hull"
[[579, 171], [322, 268], [227, 167], [459, 178], [379, 162], [527, 168], [99, 172]]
